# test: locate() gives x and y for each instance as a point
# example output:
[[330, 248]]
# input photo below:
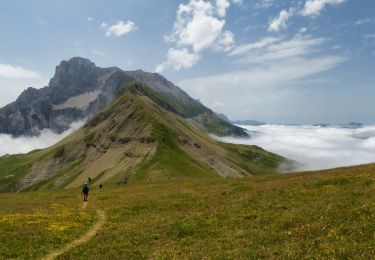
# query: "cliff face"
[[79, 89]]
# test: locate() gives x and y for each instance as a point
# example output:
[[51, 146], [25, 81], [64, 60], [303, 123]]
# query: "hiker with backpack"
[[85, 191]]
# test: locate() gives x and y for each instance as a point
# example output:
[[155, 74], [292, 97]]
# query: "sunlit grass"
[[39, 223], [329, 214]]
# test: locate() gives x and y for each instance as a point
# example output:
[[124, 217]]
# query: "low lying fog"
[[316, 147], [10, 145]]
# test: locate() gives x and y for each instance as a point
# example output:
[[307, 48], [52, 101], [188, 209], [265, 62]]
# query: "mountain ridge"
[[136, 139], [92, 88]]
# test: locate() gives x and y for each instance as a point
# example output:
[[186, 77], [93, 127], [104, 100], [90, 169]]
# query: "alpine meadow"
[[193, 129]]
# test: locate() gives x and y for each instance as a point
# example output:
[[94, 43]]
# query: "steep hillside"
[[134, 139], [79, 89]]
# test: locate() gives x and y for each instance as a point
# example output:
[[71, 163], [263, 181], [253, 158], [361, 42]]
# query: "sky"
[[278, 61]]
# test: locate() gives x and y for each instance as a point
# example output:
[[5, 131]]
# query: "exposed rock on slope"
[[79, 89], [135, 138]]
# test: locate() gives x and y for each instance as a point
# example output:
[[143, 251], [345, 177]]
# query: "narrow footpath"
[[83, 239]]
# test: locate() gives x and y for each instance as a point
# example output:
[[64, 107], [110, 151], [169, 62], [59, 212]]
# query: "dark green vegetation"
[[316, 215], [138, 137]]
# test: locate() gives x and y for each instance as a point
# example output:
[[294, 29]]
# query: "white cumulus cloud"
[[199, 26], [222, 6], [119, 29], [279, 22], [15, 79], [178, 59], [16, 72], [311, 8], [314, 7], [196, 25]]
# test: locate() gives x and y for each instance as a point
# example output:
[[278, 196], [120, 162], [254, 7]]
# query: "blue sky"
[[295, 61]]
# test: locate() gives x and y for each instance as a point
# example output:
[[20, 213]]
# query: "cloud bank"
[[10, 145], [315, 147]]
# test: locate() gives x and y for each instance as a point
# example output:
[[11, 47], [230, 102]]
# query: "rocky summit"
[[79, 90]]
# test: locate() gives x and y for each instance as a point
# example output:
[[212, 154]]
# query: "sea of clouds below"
[[24, 144], [314, 147]]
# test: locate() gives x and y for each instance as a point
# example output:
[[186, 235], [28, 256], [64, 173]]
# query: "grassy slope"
[[33, 224], [14, 167], [327, 214], [170, 161], [206, 118], [128, 116], [253, 159]]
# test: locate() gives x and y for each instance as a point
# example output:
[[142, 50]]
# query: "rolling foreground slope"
[[316, 215], [139, 137]]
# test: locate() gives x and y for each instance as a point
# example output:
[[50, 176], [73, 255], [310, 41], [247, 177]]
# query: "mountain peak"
[[76, 71], [79, 89], [79, 61]]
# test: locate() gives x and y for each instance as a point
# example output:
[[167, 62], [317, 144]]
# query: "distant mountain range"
[[352, 125], [248, 122], [79, 90]]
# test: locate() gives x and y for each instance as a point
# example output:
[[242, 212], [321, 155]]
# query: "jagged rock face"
[[72, 78], [79, 90]]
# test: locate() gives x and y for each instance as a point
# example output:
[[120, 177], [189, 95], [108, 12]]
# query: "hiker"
[[100, 186], [85, 191], [89, 179]]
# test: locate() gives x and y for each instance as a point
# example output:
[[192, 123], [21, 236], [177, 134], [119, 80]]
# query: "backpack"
[[85, 189]]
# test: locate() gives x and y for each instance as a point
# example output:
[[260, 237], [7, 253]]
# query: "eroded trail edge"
[[83, 239]]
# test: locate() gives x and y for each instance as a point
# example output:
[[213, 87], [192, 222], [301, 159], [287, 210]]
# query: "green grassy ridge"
[[170, 159], [210, 122], [253, 159], [217, 126], [134, 111], [167, 101]]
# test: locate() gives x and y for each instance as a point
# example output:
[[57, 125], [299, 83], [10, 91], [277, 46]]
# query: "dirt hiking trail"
[[83, 239]]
